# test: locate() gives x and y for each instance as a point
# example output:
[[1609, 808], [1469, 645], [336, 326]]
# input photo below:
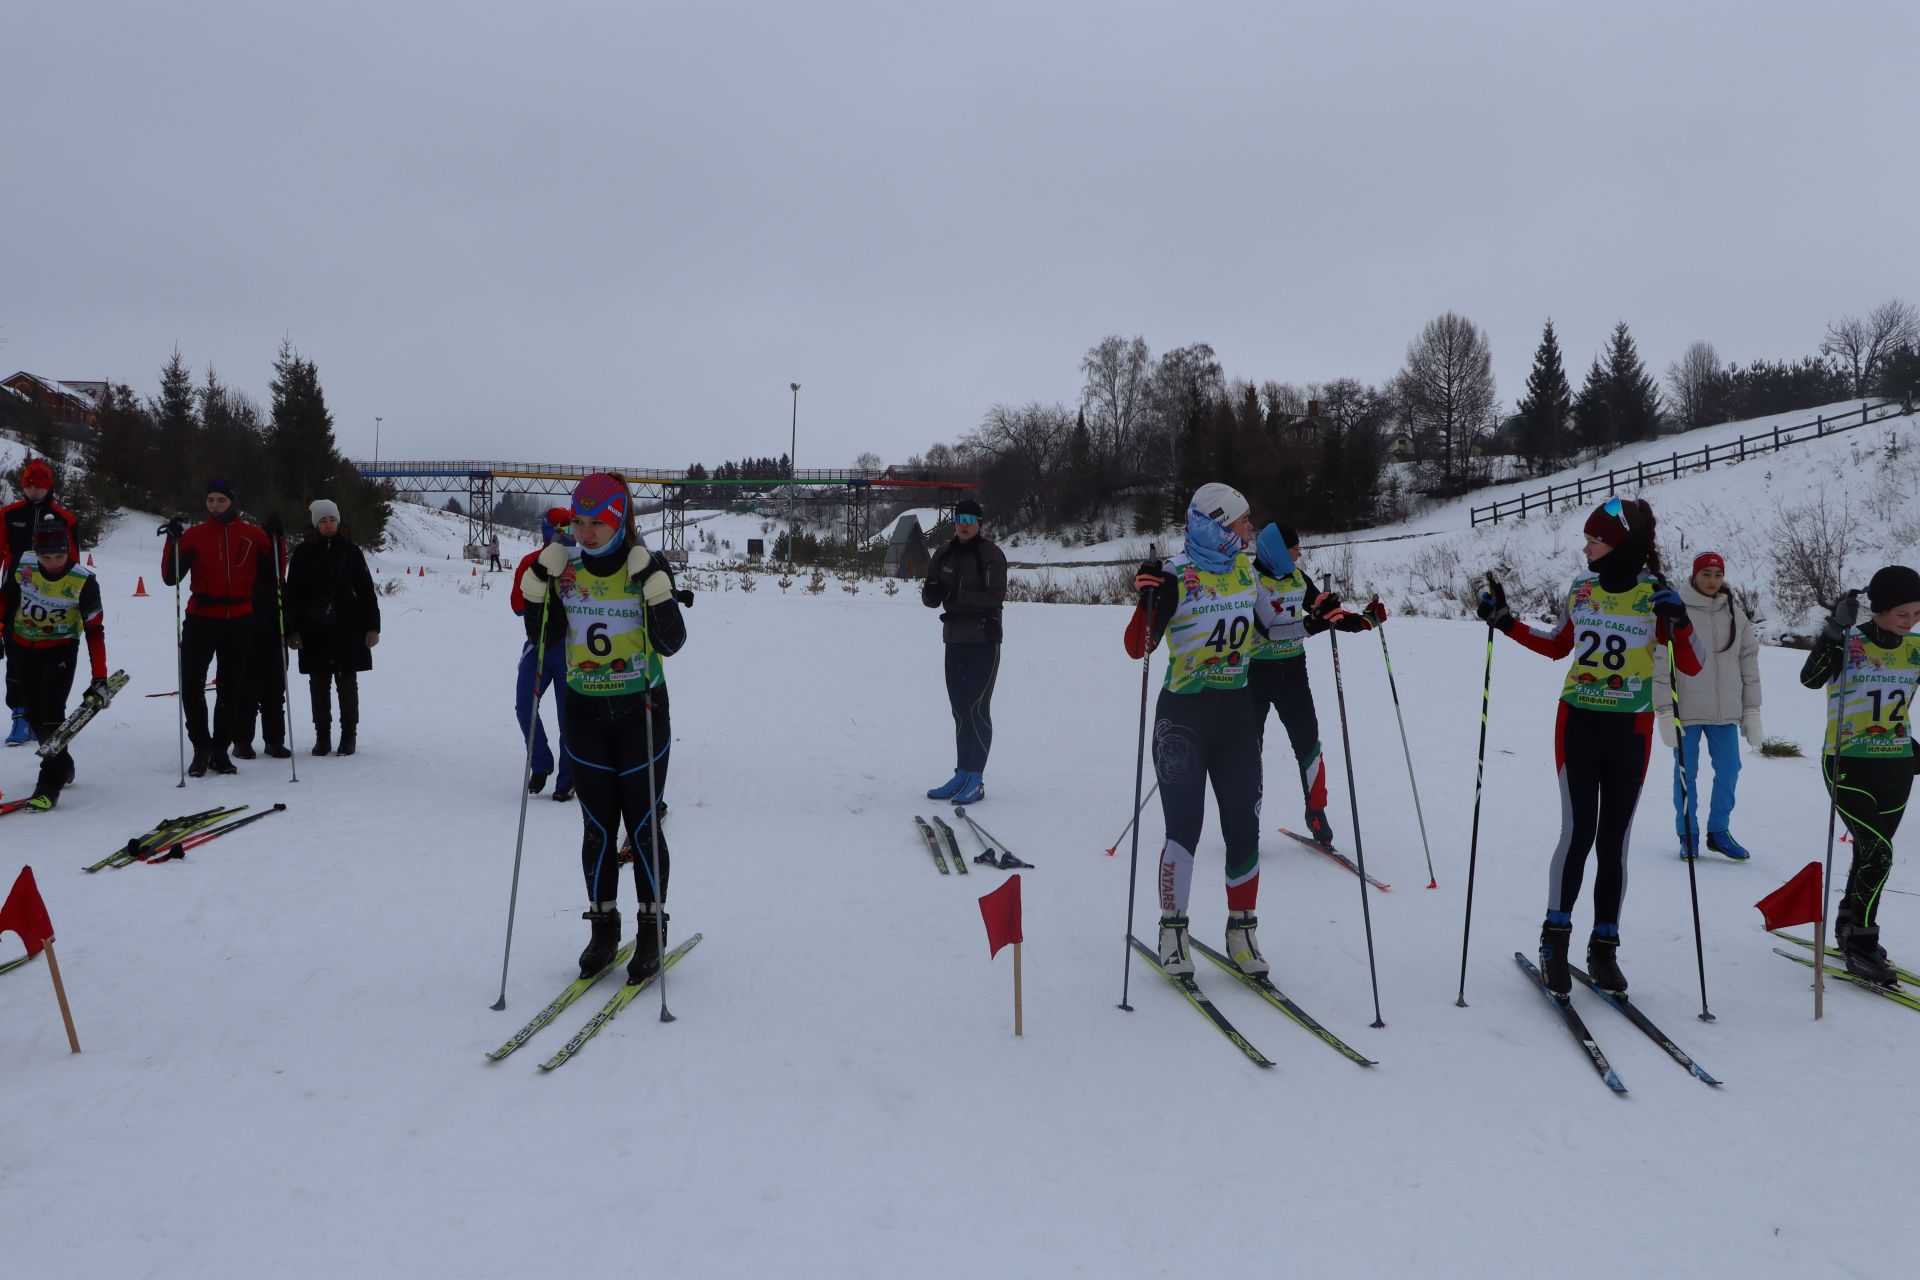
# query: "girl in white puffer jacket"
[[1720, 705]]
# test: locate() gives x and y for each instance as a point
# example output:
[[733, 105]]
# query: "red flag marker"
[[1001, 911], [1795, 902], [26, 914]]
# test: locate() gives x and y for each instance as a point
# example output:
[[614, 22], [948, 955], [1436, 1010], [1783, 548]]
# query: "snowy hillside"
[[284, 1033]]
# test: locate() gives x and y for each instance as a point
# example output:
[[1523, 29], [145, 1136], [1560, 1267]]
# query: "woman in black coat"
[[333, 619]]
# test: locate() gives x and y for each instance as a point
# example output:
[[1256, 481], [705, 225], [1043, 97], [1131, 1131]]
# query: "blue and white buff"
[[1210, 544]]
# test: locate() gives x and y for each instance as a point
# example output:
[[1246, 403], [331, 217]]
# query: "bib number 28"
[[1610, 653]]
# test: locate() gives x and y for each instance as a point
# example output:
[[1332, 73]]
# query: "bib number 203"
[[1610, 653], [1224, 637]]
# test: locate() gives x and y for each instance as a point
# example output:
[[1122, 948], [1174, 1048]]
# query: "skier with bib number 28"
[[1614, 616]]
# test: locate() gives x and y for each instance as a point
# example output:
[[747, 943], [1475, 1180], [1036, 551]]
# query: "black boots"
[[1554, 941], [1865, 958], [197, 767], [1603, 964], [605, 941], [649, 943], [218, 760], [322, 739], [347, 740]]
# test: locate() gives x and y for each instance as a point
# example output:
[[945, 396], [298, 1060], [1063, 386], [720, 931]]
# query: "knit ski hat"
[[51, 535], [1709, 560], [601, 497], [37, 473], [1892, 587], [1609, 523], [967, 507], [1220, 502], [320, 508], [221, 487]]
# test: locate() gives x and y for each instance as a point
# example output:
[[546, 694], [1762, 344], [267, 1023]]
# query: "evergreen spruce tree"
[[303, 461], [1636, 396], [1545, 408], [176, 486]]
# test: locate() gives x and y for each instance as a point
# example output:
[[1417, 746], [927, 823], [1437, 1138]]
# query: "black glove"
[[1844, 616], [1492, 609], [173, 529], [98, 693], [1325, 606], [273, 527], [1151, 576], [1668, 604]]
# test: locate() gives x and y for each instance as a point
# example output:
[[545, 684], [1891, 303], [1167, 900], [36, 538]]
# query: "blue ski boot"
[[22, 732], [1689, 848], [1723, 842], [973, 789], [948, 789]]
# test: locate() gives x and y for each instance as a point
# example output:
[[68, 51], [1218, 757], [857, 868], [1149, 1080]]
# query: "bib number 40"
[[1224, 637]]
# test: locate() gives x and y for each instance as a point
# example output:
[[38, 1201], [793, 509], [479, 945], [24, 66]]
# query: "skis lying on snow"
[[621, 999], [1280, 1000], [1198, 999], [1579, 1029], [933, 845], [1640, 1020], [953, 845], [1906, 975], [178, 848], [82, 716], [170, 829], [1894, 994], [573, 991], [16, 962], [993, 850], [1338, 857]]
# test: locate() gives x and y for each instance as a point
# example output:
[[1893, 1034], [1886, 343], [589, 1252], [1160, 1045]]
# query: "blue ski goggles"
[[966, 519]]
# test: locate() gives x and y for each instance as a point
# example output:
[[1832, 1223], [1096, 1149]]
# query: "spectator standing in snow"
[[333, 619], [1717, 707], [493, 553], [220, 558], [969, 577]]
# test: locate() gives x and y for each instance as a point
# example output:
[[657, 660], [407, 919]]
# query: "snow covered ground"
[[283, 1072]]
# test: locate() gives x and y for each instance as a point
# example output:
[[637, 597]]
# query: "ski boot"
[[349, 740], [1554, 941], [22, 732], [243, 751], [1319, 828], [1864, 956], [220, 762], [277, 750], [323, 739], [536, 783], [605, 941], [1603, 966], [649, 941], [1243, 947], [563, 793], [42, 801], [950, 788], [973, 790], [1175, 958], [1689, 848], [197, 767], [1722, 842]]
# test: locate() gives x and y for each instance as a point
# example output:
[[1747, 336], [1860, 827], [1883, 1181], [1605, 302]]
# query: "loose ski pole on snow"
[[1139, 775], [1353, 802], [1479, 775], [178, 849], [1407, 751], [1115, 846]]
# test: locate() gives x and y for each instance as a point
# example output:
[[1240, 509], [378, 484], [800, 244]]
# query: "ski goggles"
[[1613, 508], [966, 519]]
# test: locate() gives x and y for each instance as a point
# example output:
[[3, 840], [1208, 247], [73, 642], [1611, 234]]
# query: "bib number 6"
[[599, 644]]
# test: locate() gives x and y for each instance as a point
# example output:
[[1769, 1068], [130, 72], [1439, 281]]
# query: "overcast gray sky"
[[615, 233]]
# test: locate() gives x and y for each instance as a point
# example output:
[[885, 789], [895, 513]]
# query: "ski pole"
[[1139, 774], [1479, 775], [179, 658], [179, 847], [526, 777], [1353, 801], [653, 820], [1407, 751], [1115, 846], [1687, 821], [1833, 817], [286, 676]]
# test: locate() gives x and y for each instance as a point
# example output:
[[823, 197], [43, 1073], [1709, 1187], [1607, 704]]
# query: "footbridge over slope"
[[853, 492]]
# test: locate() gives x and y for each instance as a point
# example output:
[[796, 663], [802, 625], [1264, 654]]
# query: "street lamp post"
[[793, 478], [376, 441]]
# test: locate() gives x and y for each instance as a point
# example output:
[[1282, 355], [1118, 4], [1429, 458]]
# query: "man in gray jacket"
[[969, 577], [1719, 706]]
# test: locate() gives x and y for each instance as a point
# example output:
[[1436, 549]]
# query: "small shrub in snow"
[[747, 582], [817, 582], [786, 580], [1779, 748], [891, 586]]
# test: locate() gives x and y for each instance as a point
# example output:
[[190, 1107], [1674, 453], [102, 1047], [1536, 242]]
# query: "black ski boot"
[[323, 739], [605, 940], [197, 767], [648, 942], [1554, 942], [278, 750], [243, 751], [220, 762], [563, 794], [1319, 828], [536, 783], [349, 740], [1865, 958], [1603, 966]]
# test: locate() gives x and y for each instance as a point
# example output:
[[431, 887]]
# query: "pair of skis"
[[1319, 846], [935, 847], [82, 716], [1631, 1011], [178, 849], [625, 996], [169, 831], [1896, 994], [1262, 985]]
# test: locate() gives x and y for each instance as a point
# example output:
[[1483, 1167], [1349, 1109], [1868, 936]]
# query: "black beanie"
[[967, 507], [1288, 534], [1892, 587], [223, 488]]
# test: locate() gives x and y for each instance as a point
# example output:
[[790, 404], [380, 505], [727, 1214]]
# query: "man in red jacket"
[[22, 520], [219, 558]]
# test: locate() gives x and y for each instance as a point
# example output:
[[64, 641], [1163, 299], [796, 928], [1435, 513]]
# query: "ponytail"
[[1643, 525]]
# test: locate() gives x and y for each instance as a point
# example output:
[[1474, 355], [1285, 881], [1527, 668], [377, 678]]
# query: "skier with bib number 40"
[[1206, 726], [47, 604], [1871, 671], [615, 612], [1613, 618]]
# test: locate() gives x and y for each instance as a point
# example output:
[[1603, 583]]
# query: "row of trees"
[[157, 454]]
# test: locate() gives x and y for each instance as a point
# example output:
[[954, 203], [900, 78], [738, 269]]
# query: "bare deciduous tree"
[[1862, 345], [1119, 376], [1448, 386], [1692, 379]]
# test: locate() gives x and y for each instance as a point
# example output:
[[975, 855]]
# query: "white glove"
[[637, 561], [1750, 727], [656, 588], [1669, 731], [551, 563]]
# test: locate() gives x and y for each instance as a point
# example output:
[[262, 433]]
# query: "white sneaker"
[[1243, 947], [1175, 957]]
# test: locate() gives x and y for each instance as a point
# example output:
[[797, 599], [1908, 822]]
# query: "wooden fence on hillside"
[[1577, 492]]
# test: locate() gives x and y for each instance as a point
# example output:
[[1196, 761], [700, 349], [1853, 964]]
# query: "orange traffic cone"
[[89, 559], [139, 587], [475, 573]]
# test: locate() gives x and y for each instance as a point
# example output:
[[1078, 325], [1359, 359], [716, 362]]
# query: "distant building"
[[67, 402], [1399, 447], [906, 550]]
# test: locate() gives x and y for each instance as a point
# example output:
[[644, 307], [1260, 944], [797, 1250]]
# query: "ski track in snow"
[[283, 1071]]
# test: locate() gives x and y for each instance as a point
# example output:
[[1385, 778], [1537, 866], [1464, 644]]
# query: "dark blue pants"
[[971, 670], [553, 683]]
